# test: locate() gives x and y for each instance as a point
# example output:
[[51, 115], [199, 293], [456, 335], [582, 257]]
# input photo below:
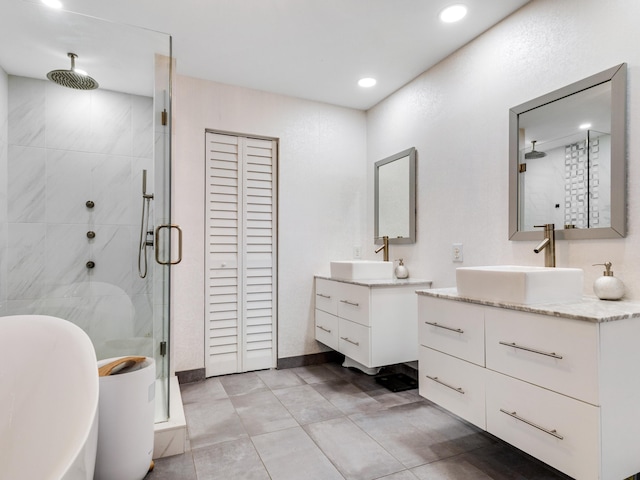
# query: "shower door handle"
[[169, 227]]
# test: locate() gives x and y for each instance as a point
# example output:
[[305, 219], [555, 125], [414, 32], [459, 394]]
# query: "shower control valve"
[[91, 234], [90, 204], [91, 264]]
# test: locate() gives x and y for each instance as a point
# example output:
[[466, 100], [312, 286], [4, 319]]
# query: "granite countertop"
[[590, 309], [381, 283]]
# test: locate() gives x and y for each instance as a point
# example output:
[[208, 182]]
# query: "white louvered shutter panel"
[[241, 253]]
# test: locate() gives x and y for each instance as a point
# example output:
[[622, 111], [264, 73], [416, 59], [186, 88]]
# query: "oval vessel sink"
[[362, 270], [520, 284]]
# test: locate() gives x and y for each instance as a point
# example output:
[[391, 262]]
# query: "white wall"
[[321, 215], [456, 115]]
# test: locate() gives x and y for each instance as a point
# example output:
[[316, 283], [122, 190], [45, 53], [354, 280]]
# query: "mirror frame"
[[411, 153], [618, 77]]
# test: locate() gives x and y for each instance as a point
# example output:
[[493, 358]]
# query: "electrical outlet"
[[456, 252], [357, 251]]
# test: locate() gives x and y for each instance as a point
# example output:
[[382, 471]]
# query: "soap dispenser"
[[608, 287], [401, 270]]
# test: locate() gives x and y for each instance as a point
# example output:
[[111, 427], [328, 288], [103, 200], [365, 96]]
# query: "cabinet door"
[[353, 303], [560, 431], [326, 296], [556, 353], [454, 384], [327, 329], [455, 328], [355, 341]]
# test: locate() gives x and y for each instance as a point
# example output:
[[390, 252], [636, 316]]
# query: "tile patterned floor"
[[327, 422]]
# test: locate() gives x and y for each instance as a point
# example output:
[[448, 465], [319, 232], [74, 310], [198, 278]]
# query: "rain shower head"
[[72, 78], [534, 153]]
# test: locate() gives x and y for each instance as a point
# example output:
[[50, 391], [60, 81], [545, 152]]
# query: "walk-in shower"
[[71, 165]]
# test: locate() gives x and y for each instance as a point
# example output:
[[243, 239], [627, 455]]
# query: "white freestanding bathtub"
[[48, 400]]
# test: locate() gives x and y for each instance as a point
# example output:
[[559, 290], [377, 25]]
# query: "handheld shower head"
[[144, 186]]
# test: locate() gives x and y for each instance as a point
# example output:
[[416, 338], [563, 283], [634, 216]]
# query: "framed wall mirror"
[[567, 160], [395, 198]]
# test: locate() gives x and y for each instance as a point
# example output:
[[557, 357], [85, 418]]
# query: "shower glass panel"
[[71, 180]]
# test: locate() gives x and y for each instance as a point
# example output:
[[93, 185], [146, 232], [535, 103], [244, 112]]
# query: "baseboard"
[[191, 376], [312, 359], [199, 375]]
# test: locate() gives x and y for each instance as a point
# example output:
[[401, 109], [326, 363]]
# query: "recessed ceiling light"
[[53, 3], [584, 126], [453, 13], [367, 82]]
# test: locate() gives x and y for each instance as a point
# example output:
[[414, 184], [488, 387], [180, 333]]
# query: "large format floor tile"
[[352, 451], [291, 454], [327, 422]]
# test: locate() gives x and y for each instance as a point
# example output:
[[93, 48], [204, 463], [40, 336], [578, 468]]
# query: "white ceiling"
[[313, 49]]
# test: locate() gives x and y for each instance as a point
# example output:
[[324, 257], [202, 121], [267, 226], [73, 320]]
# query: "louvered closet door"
[[241, 253]]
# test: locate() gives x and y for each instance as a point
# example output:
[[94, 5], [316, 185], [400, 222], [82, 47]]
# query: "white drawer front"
[[529, 347], [327, 329], [355, 341], [326, 296], [353, 303], [454, 384], [548, 414], [455, 328]]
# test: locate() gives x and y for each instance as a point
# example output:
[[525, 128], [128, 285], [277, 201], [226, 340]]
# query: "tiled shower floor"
[[327, 422]]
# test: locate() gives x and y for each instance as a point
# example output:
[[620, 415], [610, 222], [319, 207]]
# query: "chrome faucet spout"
[[548, 244], [385, 247]]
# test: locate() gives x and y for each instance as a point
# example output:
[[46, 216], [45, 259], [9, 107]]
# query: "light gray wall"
[[456, 115], [66, 147], [4, 134]]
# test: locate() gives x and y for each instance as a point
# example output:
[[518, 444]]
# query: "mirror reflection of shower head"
[[73, 78], [534, 153]]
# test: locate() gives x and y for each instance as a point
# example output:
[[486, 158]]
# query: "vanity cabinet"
[[373, 324], [560, 386]]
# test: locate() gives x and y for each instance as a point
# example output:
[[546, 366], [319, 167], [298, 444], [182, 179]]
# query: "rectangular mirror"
[[567, 156], [395, 198]]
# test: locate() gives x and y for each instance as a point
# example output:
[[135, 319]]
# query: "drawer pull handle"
[[553, 433], [323, 295], [323, 329], [434, 324], [353, 304], [437, 380], [528, 349], [346, 339]]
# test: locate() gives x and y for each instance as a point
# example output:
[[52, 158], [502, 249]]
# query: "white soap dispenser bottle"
[[401, 270], [608, 287]]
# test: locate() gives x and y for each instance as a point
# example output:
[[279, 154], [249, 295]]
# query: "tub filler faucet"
[[548, 244]]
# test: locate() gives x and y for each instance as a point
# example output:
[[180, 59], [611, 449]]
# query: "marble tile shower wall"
[[66, 147]]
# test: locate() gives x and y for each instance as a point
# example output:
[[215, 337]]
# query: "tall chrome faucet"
[[385, 247], [548, 244]]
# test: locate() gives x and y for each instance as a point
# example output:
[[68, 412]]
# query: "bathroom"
[[455, 115]]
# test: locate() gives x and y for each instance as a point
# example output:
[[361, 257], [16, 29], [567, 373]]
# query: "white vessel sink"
[[362, 269], [520, 284]]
